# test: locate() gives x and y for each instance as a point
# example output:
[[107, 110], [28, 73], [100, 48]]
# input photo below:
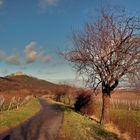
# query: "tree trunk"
[[106, 93], [105, 108]]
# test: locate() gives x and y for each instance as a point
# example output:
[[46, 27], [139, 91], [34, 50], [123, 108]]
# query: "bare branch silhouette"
[[107, 51]]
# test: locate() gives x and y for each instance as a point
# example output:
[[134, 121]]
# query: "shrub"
[[85, 103]]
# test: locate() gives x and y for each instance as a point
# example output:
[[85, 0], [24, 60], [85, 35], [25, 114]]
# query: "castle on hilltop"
[[18, 73]]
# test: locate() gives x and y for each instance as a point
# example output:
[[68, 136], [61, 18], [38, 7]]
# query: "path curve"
[[44, 125]]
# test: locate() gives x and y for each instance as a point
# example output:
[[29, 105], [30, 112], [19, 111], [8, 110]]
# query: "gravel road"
[[44, 125]]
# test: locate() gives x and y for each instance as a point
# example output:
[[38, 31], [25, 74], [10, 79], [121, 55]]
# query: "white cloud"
[[44, 4], [2, 55], [51, 2], [14, 59], [11, 59], [32, 54], [1, 2], [44, 58]]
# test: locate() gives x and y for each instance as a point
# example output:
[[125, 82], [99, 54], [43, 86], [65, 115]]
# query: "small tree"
[[107, 51]]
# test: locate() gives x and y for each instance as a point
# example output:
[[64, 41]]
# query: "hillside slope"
[[25, 83]]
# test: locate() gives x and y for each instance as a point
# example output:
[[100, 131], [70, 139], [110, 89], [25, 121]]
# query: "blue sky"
[[33, 31]]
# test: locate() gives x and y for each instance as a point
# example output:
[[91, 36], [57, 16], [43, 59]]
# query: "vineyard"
[[8, 102], [124, 112]]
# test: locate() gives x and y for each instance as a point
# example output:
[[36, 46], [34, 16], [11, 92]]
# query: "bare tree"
[[107, 51]]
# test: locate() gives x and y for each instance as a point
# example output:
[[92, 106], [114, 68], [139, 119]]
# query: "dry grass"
[[124, 112]]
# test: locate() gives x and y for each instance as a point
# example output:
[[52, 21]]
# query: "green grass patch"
[[78, 127], [14, 117]]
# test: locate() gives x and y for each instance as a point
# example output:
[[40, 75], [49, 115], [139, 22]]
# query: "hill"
[[25, 84]]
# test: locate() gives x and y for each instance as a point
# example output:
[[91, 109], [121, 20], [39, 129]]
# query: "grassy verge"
[[14, 117], [78, 127], [126, 121]]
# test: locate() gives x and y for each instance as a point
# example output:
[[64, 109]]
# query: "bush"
[[85, 103]]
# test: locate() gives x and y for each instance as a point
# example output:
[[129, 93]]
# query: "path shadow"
[[7, 137]]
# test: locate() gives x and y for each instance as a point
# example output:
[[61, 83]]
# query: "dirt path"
[[44, 125]]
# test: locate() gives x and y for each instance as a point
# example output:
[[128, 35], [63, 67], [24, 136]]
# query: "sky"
[[33, 32]]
